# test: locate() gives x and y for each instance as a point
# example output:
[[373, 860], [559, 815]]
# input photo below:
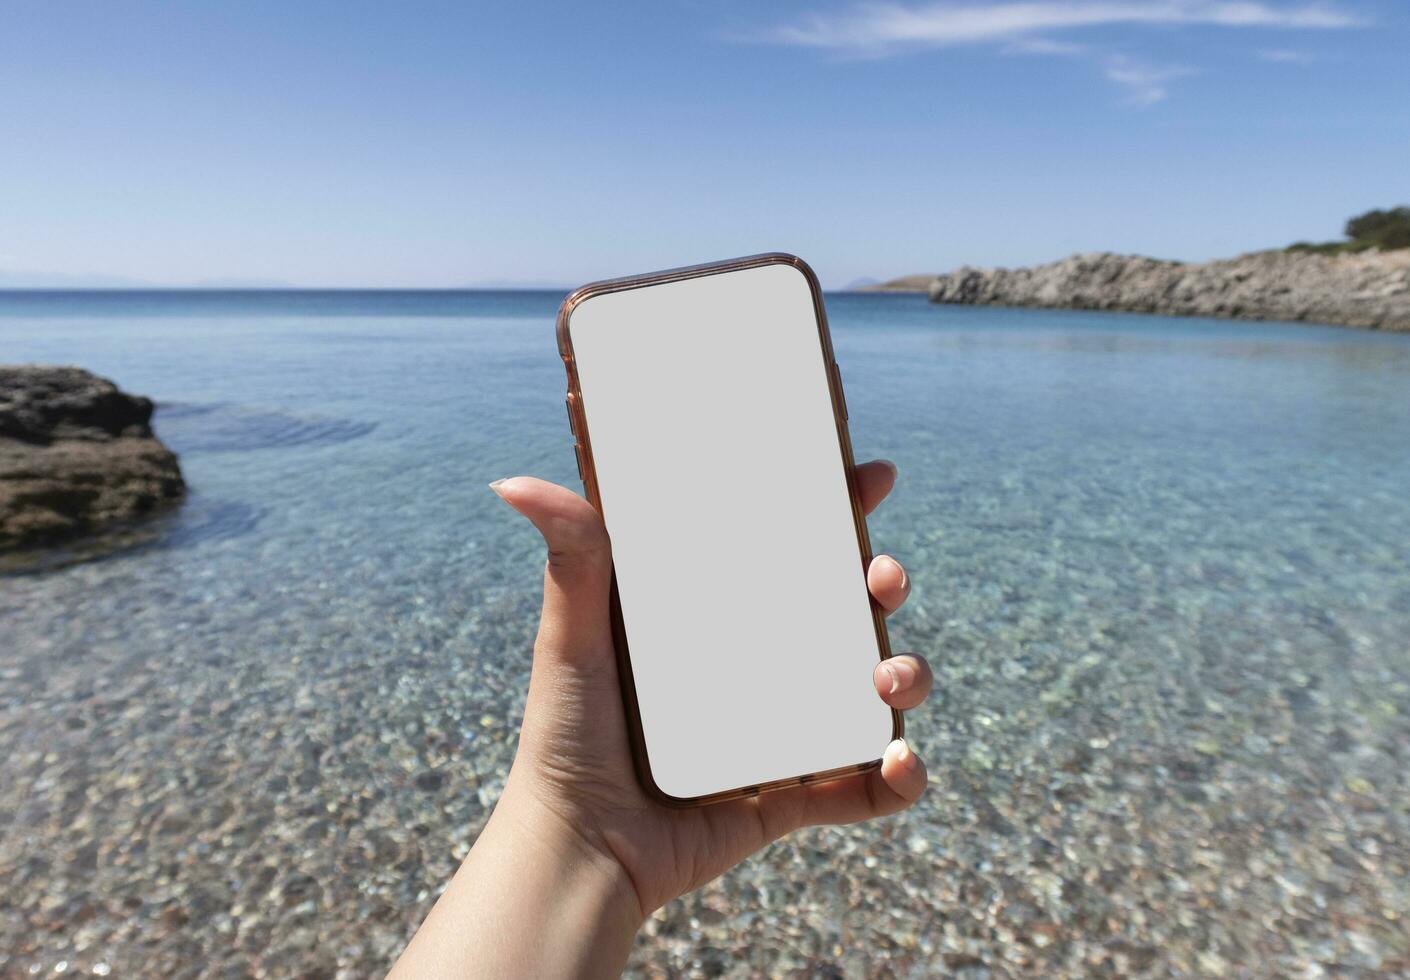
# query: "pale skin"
[[576, 855]]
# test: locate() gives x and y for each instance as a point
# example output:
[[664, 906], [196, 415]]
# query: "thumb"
[[576, 623]]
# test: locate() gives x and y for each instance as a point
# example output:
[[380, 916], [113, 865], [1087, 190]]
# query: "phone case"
[[582, 446]]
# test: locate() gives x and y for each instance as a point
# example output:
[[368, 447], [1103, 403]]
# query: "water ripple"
[[222, 427]]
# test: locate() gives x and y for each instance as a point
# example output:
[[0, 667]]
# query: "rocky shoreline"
[[1364, 289], [77, 455]]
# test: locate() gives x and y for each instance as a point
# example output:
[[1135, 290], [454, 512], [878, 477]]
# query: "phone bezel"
[[583, 449]]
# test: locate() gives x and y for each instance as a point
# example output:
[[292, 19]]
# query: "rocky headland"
[[1358, 289], [76, 455]]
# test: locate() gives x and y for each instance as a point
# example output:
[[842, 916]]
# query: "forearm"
[[530, 900]]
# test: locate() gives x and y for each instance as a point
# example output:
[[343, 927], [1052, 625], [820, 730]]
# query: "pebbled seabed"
[[1161, 568]]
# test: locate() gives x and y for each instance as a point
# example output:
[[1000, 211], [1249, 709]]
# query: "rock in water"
[[76, 454], [1366, 289]]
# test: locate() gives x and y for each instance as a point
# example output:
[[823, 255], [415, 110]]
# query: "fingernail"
[[495, 486], [895, 676], [900, 568], [902, 674], [902, 753]]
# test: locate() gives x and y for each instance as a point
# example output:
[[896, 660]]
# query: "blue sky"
[[425, 144]]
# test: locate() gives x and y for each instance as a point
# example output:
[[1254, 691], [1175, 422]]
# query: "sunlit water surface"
[[1162, 568]]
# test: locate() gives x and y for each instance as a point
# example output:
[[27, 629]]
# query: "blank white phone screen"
[[724, 491]]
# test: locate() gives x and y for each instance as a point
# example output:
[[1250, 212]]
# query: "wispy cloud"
[[1044, 45], [1285, 56], [878, 26], [1144, 84], [1029, 27]]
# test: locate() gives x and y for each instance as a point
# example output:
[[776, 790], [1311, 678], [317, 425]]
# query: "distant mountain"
[[29, 279], [240, 284], [906, 284], [539, 284]]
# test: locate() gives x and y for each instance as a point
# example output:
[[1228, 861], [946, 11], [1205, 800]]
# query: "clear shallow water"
[[1162, 568]]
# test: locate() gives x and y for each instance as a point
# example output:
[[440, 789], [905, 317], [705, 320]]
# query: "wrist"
[[550, 901], [534, 897], [573, 849], [524, 820]]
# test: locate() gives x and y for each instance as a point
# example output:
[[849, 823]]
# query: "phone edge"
[[582, 448]]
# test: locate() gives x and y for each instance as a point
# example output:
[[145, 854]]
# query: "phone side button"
[[841, 395], [578, 455], [572, 421]]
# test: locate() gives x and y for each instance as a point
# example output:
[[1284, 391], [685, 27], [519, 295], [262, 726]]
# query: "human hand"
[[574, 757], [575, 848]]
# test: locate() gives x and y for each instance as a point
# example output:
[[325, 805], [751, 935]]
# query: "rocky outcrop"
[[1364, 289], [76, 454], [906, 284]]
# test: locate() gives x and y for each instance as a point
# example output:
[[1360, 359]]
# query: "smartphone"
[[711, 434]]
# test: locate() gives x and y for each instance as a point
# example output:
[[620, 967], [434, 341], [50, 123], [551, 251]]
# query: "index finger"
[[874, 482]]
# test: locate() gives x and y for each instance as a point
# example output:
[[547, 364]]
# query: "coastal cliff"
[[1360, 289], [76, 454]]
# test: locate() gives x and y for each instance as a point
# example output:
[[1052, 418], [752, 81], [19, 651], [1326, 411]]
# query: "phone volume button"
[[578, 456], [841, 395], [572, 422]]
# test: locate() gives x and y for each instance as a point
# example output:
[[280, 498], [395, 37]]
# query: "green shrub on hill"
[[1385, 230]]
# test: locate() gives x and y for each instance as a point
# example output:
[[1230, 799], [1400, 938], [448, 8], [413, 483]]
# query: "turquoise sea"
[[1161, 567]]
